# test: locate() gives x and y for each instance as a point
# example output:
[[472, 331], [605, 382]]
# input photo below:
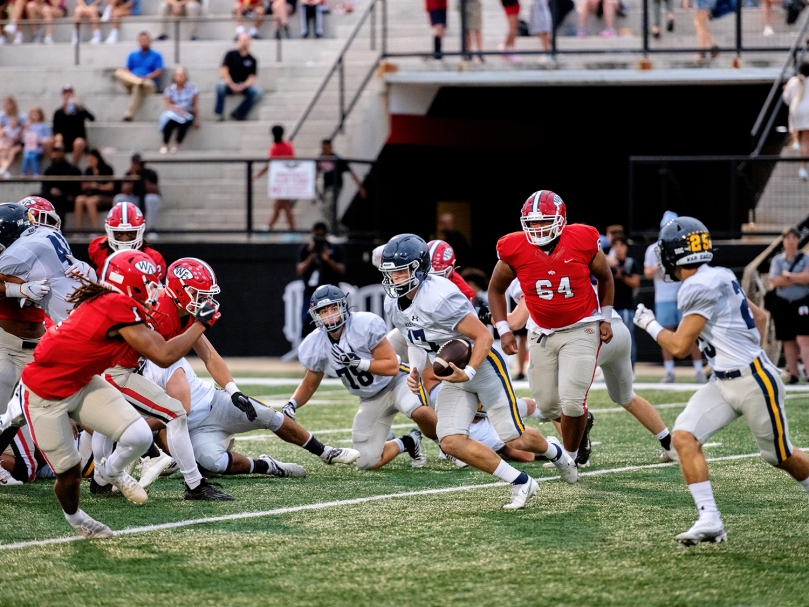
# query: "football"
[[457, 351]]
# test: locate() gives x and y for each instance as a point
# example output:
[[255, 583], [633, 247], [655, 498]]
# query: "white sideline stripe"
[[351, 502]]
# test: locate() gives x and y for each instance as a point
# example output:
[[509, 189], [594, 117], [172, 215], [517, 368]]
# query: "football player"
[[63, 380], [717, 313], [354, 347], [442, 263], [554, 262], [22, 458], [430, 311]]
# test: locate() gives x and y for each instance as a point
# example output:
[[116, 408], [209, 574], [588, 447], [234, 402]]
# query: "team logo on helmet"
[[448, 253], [183, 273], [146, 267]]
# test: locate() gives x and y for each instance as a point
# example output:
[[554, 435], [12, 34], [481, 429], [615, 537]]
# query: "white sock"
[[537, 414], [434, 393], [102, 447], [573, 454], [703, 498], [668, 365], [522, 407], [182, 451], [400, 444], [506, 472], [805, 484], [252, 466], [662, 434], [77, 518], [698, 366], [252, 31], [132, 444], [553, 453]]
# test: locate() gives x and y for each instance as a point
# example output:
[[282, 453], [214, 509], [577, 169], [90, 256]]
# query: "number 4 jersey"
[[729, 339], [556, 285]]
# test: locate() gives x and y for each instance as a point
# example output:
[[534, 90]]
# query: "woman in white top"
[[181, 109], [798, 101]]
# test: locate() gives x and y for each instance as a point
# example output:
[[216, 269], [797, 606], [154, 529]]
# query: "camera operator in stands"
[[320, 262]]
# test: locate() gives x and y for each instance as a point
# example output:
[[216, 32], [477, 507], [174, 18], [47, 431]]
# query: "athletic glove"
[[207, 314], [645, 319], [349, 359], [79, 269], [33, 291], [289, 409], [243, 404], [485, 315]]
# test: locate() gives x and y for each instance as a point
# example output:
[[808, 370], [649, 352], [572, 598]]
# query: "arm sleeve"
[[697, 299], [650, 260], [417, 358], [307, 354], [453, 309]]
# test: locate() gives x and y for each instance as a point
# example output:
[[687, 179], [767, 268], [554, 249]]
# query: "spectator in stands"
[[512, 10], [87, 10], [16, 11], [131, 191], [656, 14], [541, 23], [281, 10], [626, 275], [798, 101], [320, 262], [181, 109], [68, 124], [10, 108], [252, 9], [666, 308], [474, 30], [705, 39], [118, 10], [437, 11], [10, 143], [448, 233], [94, 194], [279, 149], [610, 7], [312, 10], [47, 10], [766, 16], [238, 77], [479, 281], [789, 274], [37, 140], [62, 194], [141, 75], [332, 167], [178, 8]]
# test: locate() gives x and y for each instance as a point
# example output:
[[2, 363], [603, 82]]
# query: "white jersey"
[[729, 339], [201, 391], [362, 333], [432, 317], [43, 255]]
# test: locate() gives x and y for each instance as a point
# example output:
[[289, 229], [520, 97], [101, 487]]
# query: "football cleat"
[[521, 493], [450, 458], [341, 455], [172, 468], [704, 531], [6, 480], [283, 469], [92, 529], [585, 446], [103, 490], [568, 472], [668, 455], [152, 467], [417, 451], [206, 491], [127, 485]]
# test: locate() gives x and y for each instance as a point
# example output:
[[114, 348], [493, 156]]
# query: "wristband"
[[13, 289], [606, 312], [231, 388], [470, 372], [502, 327], [365, 364], [654, 328]]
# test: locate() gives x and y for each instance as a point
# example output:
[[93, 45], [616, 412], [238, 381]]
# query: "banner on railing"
[[292, 179]]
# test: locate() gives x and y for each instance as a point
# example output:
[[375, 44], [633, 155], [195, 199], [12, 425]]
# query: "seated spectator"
[[36, 141], [87, 10], [120, 9], [94, 194], [252, 9], [585, 7], [279, 149], [68, 124], [178, 8], [48, 10], [10, 108], [312, 10], [181, 109], [238, 74], [141, 75], [281, 10], [12, 123], [16, 11], [131, 191], [62, 194]]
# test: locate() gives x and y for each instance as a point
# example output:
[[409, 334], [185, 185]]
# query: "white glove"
[[33, 291], [79, 269], [349, 359], [645, 319]]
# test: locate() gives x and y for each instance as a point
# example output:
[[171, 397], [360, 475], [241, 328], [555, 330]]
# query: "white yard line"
[[337, 503], [315, 432]]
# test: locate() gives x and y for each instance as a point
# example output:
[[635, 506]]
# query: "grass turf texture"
[[605, 541]]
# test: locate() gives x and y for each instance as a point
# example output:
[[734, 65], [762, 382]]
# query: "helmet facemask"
[[542, 235], [199, 297], [444, 273], [400, 289], [330, 322]]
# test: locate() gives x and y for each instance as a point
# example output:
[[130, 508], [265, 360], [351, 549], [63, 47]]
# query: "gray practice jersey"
[[362, 333], [729, 339], [433, 315], [43, 255]]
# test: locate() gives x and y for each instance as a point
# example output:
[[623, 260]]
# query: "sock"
[[703, 498], [102, 447], [698, 366], [400, 444], [553, 453], [434, 393], [134, 441], [538, 415], [259, 466], [152, 451], [314, 446], [407, 443], [665, 438], [668, 365], [436, 44], [805, 484], [182, 451], [521, 479], [76, 518], [573, 454], [506, 472]]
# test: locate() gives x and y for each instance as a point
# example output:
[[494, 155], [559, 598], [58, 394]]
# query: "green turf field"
[[606, 541]]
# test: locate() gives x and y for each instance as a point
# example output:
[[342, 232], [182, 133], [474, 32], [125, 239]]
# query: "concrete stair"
[[785, 200]]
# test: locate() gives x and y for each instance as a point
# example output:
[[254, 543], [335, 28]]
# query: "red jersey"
[[282, 150], [11, 310], [463, 286], [166, 319], [99, 250], [435, 5], [556, 286], [70, 354]]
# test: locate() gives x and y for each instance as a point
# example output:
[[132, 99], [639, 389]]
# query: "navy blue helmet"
[[404, 252], [15, 220], [682, 241], [324, 296]]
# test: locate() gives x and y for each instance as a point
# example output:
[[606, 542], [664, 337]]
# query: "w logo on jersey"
[[146, 267]]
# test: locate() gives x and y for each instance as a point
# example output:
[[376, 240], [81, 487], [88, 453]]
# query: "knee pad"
[[366, 459], [522, 407], [137, 435], [573, 409], [271, 418], [215, 460]]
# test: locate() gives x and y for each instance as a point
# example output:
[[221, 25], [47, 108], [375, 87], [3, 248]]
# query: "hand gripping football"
[[456, 351]]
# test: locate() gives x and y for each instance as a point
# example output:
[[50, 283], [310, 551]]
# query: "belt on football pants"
[[734, 373], [29, 345]]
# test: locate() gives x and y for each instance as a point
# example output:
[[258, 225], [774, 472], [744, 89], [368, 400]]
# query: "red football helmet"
[[131, 273], [43, 212], [123, 218], [190, 283], [543, 206], [442, 258]]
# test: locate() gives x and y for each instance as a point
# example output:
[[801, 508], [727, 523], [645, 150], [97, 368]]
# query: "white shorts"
[[615, 360], [13, 357], [484, 432]]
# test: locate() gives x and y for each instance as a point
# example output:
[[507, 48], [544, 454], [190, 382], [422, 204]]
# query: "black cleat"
[[207, 492], [103, 490], [585, 447]]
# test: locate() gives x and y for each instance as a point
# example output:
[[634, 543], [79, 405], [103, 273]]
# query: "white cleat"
[[568, 471], [6, 480], [341, 455], [172, 468], [283, 469], [152, 467], [521, 494], [704, 531], [127, 485], [92, 529], [668, 455], [419, 458]]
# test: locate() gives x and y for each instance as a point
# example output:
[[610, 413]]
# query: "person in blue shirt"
[[141, 74]]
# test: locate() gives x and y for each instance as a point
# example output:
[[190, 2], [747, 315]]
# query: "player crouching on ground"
[[63, 380], [354, 347], [717, 313]]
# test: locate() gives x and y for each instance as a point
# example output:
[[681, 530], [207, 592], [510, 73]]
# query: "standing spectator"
[[541, 23], [36, 141], [47, 10], [512, 10], [94, 194], [705, 39], [10, 143], [626, 276], [332, 167], [87, 10], [251, 9], [448, 233], [238, 77], [766, 14], [141, 74], [666, 310], [68, 124], [119, 10], [474, 29], [311, 10], [279, 149], [610, 8], [789, 274], [281, 10], [62, 194], [320, 262], [798, 101], [181, 109], [437, 11], [178, 8], [656, 6], [131, 191]]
